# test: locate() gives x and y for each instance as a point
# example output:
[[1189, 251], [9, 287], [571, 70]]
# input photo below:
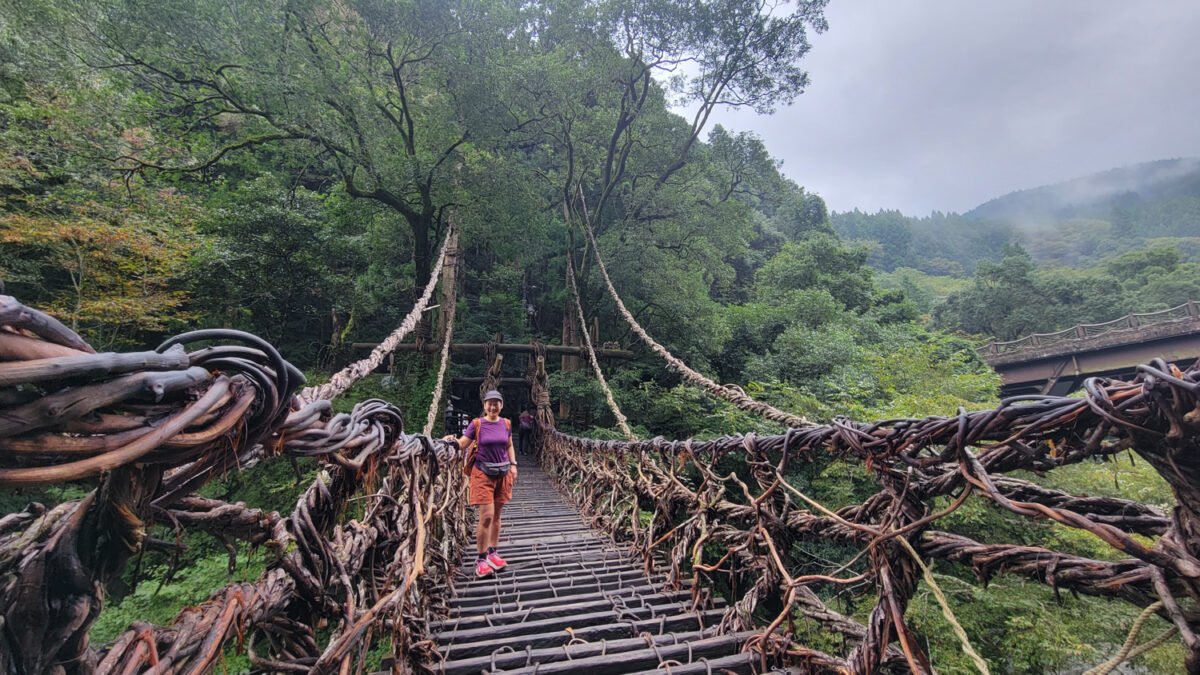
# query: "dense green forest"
[[290, 168], [1083, 251]]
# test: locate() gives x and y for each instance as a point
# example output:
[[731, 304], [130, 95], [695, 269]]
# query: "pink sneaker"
[[483, 568], [497, 563]]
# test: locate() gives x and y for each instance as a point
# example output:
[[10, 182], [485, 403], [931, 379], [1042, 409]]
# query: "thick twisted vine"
[[539, 387], [495, 364], [741, 528], [153, 427]]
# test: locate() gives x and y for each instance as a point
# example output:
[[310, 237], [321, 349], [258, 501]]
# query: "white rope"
[[731, 394], [1128, 652], [587, 340], [435, 404], [346, 377], [948, 613]]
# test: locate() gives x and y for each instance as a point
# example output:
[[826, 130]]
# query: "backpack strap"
[[470, 459]]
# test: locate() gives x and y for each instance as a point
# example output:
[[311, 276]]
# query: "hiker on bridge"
[[525, 432], [492, 467]]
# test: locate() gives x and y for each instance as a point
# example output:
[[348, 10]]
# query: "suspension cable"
[[346, 377], [450, 298], [587, 341], [728, 393]]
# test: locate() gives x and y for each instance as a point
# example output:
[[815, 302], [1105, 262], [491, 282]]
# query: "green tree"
[[369, 89], [1003, 301], [111, 272], [819, 261]]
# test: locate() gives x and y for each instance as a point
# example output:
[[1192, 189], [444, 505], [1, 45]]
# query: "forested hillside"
[[1075, 223], [1087, 250], [290, 169], [290, 172]]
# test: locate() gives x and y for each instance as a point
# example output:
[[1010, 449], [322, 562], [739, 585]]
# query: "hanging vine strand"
[[622, 423], [346, 377], [728, 393]]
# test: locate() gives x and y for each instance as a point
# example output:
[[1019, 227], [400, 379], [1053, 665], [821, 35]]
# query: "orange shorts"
[[487, 490]]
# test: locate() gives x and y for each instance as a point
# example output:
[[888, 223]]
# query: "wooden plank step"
[[742, 664], [546, 611], [689, 652], [506, 658], [500, 586], [630, 593], [576, 620], [564, 594], [572, 553], [661, 625]]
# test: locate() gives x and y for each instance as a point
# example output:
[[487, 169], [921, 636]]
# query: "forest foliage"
[[1085, 251], [289, 168]]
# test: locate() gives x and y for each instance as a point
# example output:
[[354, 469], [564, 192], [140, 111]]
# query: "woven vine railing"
[[723, 512], [150, 428]]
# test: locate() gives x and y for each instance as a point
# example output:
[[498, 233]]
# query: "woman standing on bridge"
[[492, 467]]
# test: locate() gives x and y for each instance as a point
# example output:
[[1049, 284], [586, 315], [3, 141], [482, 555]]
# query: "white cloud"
[[938, 104]]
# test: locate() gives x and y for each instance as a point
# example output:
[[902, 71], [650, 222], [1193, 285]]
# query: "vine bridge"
[[679, 556]]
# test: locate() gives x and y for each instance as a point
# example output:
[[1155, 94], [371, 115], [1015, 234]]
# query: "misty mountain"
[[1097, 195], [1074, 223]]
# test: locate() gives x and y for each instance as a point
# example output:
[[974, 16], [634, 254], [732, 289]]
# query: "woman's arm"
[[463, 441], [512, 457]]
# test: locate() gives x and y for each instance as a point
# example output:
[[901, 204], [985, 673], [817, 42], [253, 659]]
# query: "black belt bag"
[[493, 469]]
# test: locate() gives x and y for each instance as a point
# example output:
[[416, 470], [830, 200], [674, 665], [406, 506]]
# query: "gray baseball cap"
[[492, 394]]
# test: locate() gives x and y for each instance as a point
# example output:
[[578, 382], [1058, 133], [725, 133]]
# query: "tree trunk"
[[421, 226], [449, 279]]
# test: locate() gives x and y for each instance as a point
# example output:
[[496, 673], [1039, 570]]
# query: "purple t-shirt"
[[493, 440]]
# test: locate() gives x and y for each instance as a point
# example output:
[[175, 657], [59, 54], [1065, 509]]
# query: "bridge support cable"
[[435, 403], [587, 341], [154, 427], [735, 529], [539, 389], [494, 375], [728, 393], [449, 308], [345, 378]]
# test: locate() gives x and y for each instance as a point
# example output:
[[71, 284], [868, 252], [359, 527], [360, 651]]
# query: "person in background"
[[450, 419], [492, 467], [525, 432]]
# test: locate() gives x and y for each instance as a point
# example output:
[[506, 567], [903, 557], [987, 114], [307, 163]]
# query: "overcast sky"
[[920, 105]]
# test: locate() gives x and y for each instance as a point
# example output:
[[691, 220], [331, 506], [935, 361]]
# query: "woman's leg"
[[494, 534], [489, 521]]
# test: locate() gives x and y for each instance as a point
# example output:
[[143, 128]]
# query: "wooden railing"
[[1082, 334]]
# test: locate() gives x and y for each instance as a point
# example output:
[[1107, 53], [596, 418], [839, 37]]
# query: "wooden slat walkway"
[[570, 601]]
